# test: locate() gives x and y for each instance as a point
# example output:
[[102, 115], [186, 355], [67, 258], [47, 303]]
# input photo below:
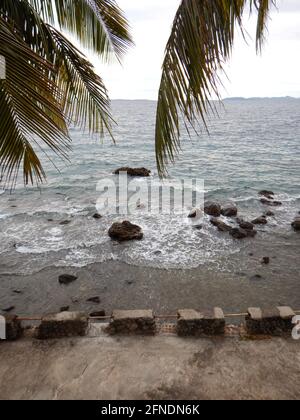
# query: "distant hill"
[[259, 98]]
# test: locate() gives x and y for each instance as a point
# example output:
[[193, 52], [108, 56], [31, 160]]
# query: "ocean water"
[[253, 145]]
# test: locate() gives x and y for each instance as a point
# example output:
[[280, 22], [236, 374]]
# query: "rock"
[[270, 203], [212, 209], [256, 277], [246, 225], [97, 314], [65, 222], [9, 309], [125, 231], [223, 227], [238, 233], [97, 216], [50, 220], [260, 221], [267, 194], [296, 224], [229, 210], [192, 214], [64, 309], [251, 233], [94, 299], [269, 213], [66, 279], [139, 172], [17, 291], [265, 260]]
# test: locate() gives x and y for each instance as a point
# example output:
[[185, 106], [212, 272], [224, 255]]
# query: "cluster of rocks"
[[268, 198], [132, 322]]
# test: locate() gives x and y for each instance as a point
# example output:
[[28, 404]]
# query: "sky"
[[275, 73]]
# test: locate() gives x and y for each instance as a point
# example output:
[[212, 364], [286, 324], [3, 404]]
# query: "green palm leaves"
[[200, 44], [49, 83]]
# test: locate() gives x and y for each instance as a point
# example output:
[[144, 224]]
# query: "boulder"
[[97, 216], [66, 279], [269, 213], [94, 299], [229, 210], [267, 194], [238, 233], [260, 221], [265, 260], [139, 172], [223, 227], [270, 203], [296, 224], [125, 231], [212, 209], [246, 225]]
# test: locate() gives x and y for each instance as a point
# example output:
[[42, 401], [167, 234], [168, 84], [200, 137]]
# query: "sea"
[[252, 145]]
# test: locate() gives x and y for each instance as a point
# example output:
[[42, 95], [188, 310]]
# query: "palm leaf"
[[99, 25], [31, 116], [200, 44]]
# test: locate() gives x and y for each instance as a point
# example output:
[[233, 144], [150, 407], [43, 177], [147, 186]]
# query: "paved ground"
[[161, 367]]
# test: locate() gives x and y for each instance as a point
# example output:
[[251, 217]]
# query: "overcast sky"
[[275, 73]]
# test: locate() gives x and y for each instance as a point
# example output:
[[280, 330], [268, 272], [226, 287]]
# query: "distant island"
[[240, 98]]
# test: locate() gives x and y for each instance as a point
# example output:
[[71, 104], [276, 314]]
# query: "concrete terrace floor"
[[161, 367]]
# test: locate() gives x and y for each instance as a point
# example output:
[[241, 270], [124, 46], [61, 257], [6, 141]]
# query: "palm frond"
[[200, 44], [99, 25], [30, 111], [85, 101]]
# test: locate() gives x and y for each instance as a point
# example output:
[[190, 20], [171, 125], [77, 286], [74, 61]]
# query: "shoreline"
[[117, 285]]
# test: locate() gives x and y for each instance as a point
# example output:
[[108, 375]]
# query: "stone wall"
[[189, 322]]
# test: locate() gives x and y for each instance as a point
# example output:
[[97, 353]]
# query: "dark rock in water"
[[199, 227], [192, 214], [246, 225], [134, 171], [125, 231], [94, 299], [265, 260], [66, 279], [50, 220], [269, 213], [17, 291], [64, 308], [98, 314], [223, 227], [65, 222], [256, 277], [260, 221], [251, 254], [9, 309], [212, 209], [229, 210], [158, 252], [251, 233], [238, 233], [270, 203], [267, 194], [296, 224], [97, 216]]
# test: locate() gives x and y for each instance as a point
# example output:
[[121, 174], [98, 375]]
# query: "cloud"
[[275, 73]]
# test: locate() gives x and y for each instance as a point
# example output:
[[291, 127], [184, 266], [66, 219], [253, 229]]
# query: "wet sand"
[[122, 286]]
